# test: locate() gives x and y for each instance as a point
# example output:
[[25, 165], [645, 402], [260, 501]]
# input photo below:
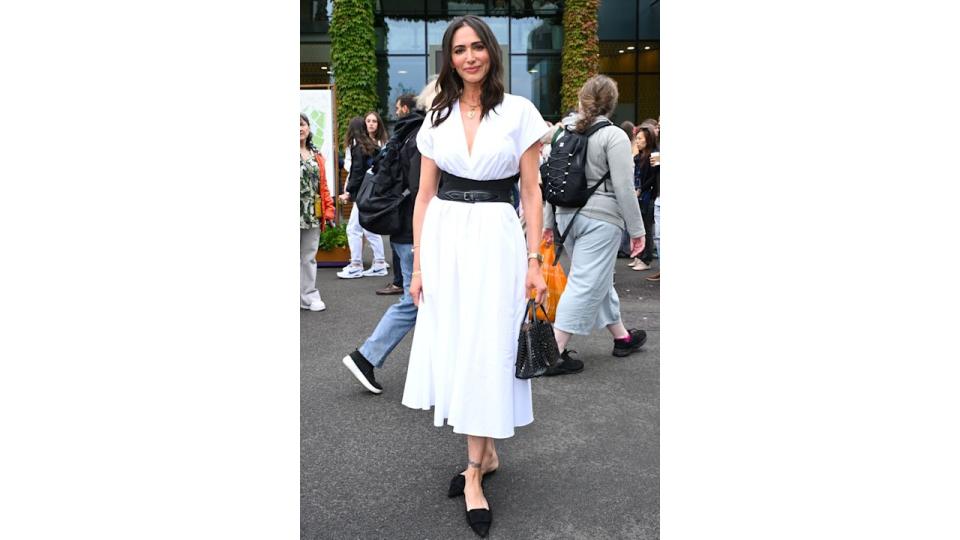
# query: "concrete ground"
[[586, 468]]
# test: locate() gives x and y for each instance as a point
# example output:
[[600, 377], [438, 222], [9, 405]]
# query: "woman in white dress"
[[472, 266]]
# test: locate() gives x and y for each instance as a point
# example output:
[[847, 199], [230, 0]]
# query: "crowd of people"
[[467, 255]]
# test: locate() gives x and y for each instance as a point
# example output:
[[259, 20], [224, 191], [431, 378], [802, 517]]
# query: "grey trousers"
[[589, 301], [309, 238]]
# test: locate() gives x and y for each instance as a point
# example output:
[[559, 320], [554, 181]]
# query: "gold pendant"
[[470, 114]]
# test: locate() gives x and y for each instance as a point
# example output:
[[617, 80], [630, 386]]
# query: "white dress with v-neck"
[[473, 266]]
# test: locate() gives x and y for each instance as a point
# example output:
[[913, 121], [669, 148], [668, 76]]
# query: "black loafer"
[[480, 521], [459, 481]]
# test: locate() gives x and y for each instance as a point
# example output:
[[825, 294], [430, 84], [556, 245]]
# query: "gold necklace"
[[473, 110]]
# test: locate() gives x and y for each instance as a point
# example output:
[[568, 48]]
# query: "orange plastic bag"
[[556, 280]]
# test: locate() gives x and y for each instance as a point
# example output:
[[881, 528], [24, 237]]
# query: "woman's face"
[[304, 130], [641, 140], [470, 58], [372, 124]]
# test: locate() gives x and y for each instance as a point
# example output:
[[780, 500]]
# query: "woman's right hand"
[[416, 287], [345, 197]]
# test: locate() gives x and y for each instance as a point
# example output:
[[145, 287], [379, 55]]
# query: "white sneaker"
[[376, 270], [352, 272], [641, 265], [317, 305]]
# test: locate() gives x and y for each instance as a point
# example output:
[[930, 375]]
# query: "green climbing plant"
[[353, 52], [581, 49]]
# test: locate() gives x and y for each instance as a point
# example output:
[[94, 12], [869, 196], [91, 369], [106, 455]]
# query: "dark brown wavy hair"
[[381, 135], [450, 83], [357, 134], [598, 97]]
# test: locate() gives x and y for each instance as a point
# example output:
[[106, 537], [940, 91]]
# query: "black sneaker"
[[362, 370], [566, 365], [622, 347]]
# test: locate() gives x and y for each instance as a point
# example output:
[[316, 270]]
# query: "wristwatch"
[[537, 256]]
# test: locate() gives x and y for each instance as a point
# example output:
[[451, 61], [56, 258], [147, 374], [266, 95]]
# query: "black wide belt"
[[455, 188]]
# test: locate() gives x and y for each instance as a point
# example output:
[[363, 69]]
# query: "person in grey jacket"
[[590, 300]]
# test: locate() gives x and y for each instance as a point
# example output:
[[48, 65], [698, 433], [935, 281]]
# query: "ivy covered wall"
[[581, 48], [354, 60]]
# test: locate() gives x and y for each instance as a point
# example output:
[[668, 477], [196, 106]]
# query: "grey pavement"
[[588, 467]]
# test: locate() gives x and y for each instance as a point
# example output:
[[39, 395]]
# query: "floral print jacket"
[[314, 209]]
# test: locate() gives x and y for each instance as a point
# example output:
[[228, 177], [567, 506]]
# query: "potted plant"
[[333, 248]]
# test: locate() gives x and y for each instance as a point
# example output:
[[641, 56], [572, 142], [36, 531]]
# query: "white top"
[[502, 137]]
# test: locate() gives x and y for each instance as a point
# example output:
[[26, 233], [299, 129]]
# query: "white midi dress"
[[473, 268]]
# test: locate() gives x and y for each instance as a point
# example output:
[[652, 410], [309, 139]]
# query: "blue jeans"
[[656, 227], [399, 318]]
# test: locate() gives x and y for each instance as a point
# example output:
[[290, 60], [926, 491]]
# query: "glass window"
[[399, 36], [618, 57], [649, 27], [618, 20], [537, 78], [627, 100], [314, 73], [535, 7], [399, 7], [468, 7], [648, 96], [315, 16], [649, 57], [398, 75], [536, 35]]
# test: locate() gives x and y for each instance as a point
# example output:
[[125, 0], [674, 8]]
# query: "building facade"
[[530, 33]]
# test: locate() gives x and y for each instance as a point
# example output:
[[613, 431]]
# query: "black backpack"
[[564, 172], [382, 190], [564, 175]]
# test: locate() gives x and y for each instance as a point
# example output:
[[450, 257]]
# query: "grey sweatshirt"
[[615, 201]]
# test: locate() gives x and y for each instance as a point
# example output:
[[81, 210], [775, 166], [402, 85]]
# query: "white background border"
[[150, 367]]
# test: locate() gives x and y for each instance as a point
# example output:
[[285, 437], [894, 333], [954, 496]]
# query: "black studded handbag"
[[537, 349]]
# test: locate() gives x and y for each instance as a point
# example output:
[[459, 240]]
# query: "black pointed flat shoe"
[[459, 481], [480, 521]]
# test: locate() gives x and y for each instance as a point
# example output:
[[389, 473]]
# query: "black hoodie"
[[410, 163]]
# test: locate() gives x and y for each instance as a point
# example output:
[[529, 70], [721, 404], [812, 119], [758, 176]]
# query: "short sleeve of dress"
[[532, 125], [425, 140]]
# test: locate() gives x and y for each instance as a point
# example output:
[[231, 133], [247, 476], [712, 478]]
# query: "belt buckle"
[[468, 197]]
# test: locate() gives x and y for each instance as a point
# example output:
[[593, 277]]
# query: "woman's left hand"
[[535, 281]]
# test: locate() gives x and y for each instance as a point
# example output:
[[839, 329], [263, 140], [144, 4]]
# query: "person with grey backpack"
[[588, 188]]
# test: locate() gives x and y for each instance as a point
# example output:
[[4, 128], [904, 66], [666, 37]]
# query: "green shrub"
[[333, 237]]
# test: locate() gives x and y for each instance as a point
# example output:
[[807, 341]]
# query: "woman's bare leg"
[[473, 491], [491, 461], [618, 330], [562, 338]]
